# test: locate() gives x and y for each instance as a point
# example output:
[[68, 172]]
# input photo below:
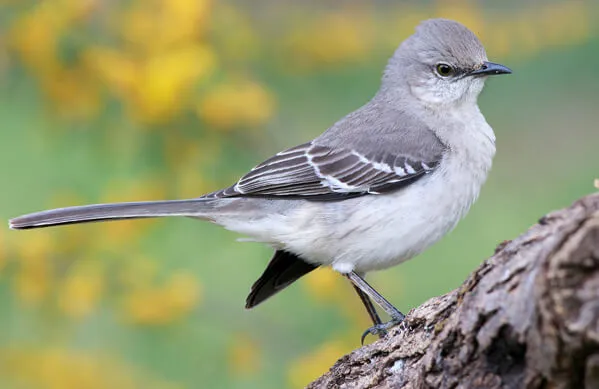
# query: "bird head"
[[442, 63]]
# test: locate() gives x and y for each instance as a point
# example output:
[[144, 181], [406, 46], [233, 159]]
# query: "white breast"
[[375, 232]]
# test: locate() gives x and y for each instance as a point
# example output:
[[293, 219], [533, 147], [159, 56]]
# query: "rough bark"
[[528, 317]]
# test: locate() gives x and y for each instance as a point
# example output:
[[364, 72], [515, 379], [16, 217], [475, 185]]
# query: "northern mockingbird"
[[377, 188]]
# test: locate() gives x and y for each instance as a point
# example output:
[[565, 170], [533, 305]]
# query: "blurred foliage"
[[59, 368], [116, 101]]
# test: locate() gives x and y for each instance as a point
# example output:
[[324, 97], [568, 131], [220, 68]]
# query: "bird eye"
[[444, 70]]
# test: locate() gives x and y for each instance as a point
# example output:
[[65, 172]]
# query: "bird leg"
[[378, 327], [374, 316], [367, 292]]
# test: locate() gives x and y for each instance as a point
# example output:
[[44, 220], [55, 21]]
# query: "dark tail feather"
[[283, 269], [104, 212]]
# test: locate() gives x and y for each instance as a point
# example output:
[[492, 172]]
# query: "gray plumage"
[[378, 187]]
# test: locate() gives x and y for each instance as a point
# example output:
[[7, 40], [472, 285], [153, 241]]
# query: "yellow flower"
[[159, 24], [190, 16], [239, 104], [34, 35], [159, 86], [166, 80]]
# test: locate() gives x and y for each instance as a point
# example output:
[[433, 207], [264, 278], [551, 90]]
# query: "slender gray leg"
[[367, 292], [374, 316], [378, 326], [361, 283]]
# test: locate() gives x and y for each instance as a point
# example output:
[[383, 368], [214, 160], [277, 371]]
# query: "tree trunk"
[[528, 317]]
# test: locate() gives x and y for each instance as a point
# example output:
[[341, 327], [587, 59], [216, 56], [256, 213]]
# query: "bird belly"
[[375, 232]]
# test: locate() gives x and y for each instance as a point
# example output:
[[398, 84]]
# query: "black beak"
[[490, 69]]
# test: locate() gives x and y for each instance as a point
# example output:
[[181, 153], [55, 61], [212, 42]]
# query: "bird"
[[377, 188]]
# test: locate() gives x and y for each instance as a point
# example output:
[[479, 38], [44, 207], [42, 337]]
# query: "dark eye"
[[444, 70]]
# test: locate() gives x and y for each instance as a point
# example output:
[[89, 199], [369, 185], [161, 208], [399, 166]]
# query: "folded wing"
[[319, 172]]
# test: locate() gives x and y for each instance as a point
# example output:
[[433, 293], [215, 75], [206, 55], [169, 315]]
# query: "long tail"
[[104, 212]]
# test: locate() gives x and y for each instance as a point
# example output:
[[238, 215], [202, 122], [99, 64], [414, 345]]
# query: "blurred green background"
[[117, 101]]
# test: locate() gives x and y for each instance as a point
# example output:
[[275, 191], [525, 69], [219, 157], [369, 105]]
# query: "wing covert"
[[318, 172]]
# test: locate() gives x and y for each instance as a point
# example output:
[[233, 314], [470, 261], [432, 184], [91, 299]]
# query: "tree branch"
[[528, 317]]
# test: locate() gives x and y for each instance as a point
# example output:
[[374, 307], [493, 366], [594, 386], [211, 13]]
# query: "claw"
[[378, 329], [381, 329]]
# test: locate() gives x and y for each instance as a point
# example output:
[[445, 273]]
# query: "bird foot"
[[381, 329]]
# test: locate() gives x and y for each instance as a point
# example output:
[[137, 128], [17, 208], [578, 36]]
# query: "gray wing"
[[319, 172]]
